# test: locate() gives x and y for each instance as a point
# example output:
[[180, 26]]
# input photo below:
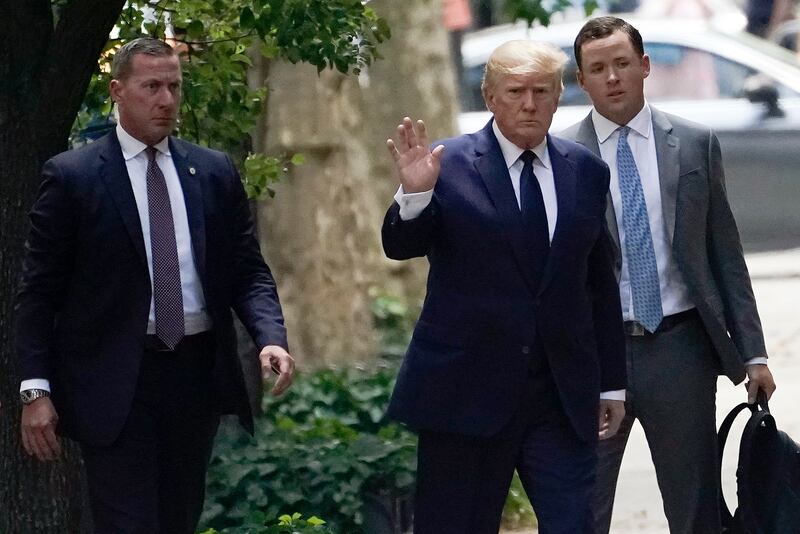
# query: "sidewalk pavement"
[[776, 283]]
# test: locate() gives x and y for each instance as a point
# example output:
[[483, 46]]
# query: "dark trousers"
[[463, 482], [152, 478], [672, 384]]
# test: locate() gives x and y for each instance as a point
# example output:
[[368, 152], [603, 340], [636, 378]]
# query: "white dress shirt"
[[412, 204], [674, 293], [196, 319]]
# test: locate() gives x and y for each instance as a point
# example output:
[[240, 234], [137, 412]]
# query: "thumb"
[[752, 391]]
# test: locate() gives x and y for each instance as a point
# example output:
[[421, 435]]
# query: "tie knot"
[[527, 157], [151, 153], [623, 132]]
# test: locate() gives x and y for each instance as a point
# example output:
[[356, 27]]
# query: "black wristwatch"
[[29, 395]]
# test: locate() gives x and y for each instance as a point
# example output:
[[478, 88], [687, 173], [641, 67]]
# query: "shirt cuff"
[[760, 360], [617, 394], [412, 204], [34, 383]]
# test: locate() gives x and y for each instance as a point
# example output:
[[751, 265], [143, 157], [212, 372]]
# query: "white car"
[[745, 88]]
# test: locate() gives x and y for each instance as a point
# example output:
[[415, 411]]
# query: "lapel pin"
[[192, 171]]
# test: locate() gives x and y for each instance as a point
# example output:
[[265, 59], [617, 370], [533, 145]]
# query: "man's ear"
[[488, 99], [579, 77], [114, 88], [645, 66]]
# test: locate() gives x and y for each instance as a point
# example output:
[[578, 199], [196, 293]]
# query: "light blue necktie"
[[638, 239]]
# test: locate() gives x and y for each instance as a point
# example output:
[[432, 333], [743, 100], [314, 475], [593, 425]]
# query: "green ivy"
[[286, 524], [319, 449]]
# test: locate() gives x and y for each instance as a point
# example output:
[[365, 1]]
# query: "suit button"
[[526, 349]]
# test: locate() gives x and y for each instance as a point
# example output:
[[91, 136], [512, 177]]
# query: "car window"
[[684, 73], [677, 73]]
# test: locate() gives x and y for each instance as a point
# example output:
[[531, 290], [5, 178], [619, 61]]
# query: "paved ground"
[[776, 282]]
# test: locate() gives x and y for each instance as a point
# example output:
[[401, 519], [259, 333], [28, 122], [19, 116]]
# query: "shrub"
[[286, 524], [318, 449]]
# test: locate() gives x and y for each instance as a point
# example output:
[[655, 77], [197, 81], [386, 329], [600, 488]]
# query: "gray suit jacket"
[[705, 240]]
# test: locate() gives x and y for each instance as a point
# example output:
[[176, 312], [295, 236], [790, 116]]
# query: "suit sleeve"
[[412, 238], [728, 265], [255, 293], [46, 270], [606, 308]]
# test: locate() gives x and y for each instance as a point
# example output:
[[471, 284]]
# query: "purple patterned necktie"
[[167, 294]]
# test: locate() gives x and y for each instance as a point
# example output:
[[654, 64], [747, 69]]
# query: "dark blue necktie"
[[534, 214], [167, 294]]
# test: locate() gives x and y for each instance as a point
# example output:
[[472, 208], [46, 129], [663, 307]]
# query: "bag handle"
[[722, 437]]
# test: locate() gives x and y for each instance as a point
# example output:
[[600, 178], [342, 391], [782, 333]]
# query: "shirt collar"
[[512, 152], [132, 147], [641, 124]]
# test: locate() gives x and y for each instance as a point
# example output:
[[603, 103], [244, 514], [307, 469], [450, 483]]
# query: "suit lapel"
[[565, 182], [668, 156], [115, 175], [491, 166], [587, 136], [188, 174]]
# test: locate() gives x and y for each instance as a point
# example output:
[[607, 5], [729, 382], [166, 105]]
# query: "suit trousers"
[[672, 385], [463, 481], [151, 479]]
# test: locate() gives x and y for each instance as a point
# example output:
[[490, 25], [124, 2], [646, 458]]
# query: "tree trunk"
[[44, 71], [321, 232]]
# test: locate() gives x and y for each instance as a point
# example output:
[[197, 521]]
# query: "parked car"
[[745, 88]]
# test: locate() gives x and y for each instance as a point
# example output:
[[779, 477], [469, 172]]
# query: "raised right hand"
[[417, 167]]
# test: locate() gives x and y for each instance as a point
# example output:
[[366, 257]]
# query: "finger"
[[51, 439], [771, 387], [40, 448], [285, 365], [411, 134], [752, 391], [266, 369], [437, 153], [402, 139], [422, 133], [392, 149], [282, 384]]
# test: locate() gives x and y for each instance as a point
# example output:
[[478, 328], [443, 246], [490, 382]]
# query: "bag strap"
[[722, 437]]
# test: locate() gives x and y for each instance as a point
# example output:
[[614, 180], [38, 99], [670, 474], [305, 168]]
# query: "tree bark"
[[45, 67], [321, 232]]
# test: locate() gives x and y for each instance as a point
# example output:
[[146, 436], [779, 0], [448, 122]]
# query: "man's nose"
[[166, 97], [528, 100], [612, 75]]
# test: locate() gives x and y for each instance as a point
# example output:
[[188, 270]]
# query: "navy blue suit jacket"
[[484, 315], [84, 298]]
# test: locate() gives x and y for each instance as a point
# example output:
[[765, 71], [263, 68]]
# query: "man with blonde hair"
[[521, 329]]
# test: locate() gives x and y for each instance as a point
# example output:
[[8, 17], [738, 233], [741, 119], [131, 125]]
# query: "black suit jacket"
[[84, 298], [485, 315]]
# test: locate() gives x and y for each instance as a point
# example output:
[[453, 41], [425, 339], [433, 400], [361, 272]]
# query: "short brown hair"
[[123, 59], [602, 27]]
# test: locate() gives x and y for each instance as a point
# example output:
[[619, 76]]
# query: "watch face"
[[30, 395]]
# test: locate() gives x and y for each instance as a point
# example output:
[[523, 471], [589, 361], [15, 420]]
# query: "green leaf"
[[298, 159], [247, 20], [195, 29]]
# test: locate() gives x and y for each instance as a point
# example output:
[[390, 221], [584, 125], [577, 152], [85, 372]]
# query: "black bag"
[[767, 477]]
